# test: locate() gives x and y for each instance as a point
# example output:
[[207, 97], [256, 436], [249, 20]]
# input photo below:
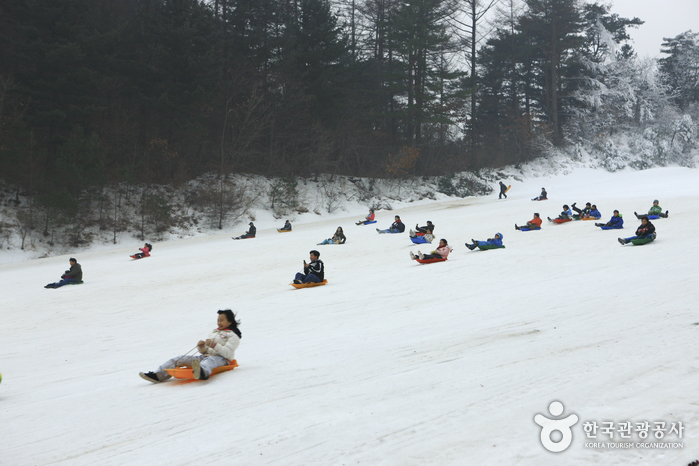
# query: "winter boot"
[[622, 241], [149, 376], [196, 369], [412, 256], [516, 227]]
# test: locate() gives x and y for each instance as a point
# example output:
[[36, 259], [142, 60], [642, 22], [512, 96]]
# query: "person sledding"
[[72, 276], [396, 227], [594, 213], [286, 227], [313, 272], [216, 351], [541, 197], [533, 224], [566, 214], [582, 213], [615, 222], [421, 230], [369, 218], [442, 252], [145, 251], [644, 230], [248, 234], [338, 238], [655, 210], [490, 243], [503, 190]]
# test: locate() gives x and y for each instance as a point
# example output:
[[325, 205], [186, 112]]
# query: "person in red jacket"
[[442, 252], [369, 218], [145, 251], [533, 224]]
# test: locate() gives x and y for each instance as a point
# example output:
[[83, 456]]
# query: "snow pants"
[[65, 281], [310, 278], [208, 363]]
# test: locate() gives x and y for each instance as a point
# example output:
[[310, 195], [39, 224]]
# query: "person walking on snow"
[[644, 230], [217, 350], [313, 272], [503, 190]]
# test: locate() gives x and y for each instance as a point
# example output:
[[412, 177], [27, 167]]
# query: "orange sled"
[[308, 285], [186, 372]]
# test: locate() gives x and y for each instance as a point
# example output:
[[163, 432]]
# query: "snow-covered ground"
[[392, 362]]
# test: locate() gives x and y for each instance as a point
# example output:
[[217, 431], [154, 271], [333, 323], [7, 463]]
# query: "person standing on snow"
[[503, 189]]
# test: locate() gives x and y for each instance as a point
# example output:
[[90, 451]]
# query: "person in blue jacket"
[[566, 214], [594, 212], [396, 227], [615, 222], [496, 241]]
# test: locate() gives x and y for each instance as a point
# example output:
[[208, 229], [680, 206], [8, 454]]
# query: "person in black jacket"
[[423, 229], [396, 227], [248, 234], [503, 190], [313, 272], [644, 230], [71, 276]]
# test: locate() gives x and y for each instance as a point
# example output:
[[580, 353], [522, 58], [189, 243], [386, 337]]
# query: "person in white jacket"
[[217, 350]]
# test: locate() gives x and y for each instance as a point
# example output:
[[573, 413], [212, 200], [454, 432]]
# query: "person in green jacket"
[[72, 276], [655, 210]]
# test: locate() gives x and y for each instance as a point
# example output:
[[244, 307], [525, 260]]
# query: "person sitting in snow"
[[217, 350], [145, 251], [286, 227], [337, 238], [655, 210], [542, 196], [70, 276], [644, 230], [615, 222], [567, 214], [442, 252], [396, 227], [369, 218], [593, 213], [313, 272], [496, 241], [248, 234], [533, 224]]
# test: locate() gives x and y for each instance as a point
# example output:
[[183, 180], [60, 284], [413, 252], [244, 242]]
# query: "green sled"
[[646, 240]]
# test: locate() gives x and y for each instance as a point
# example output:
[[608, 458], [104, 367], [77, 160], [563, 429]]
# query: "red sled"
[[429, 261], [138, 256], [562, 220], [188, 373]]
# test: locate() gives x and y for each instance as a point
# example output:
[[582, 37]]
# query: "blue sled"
[[367, 223], [528, 229], [419, 240], [611, 228]]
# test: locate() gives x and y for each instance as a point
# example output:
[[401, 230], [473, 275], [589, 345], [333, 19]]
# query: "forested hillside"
[[101, 99]]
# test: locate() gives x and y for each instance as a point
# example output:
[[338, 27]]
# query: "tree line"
[[100, 93]]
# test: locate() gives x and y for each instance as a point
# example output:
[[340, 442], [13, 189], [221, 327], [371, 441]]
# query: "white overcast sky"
[[663, 18]]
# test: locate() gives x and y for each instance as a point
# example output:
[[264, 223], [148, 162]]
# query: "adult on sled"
[[615, 222], [541, 197], [503, 190], [145, 251], [216, 351], [594, 213], [337, 238], [533, 224], [567, 214], [252, 231], [369, 218], [495, 242], [286, 227], [70, 277], [644, 230], [396, 227], [313, 272], [442, 252], [655, 210]]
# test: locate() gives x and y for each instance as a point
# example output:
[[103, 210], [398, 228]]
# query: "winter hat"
[[499, 234], [656, 201], [250, 223], [587, 203], [565, 206]]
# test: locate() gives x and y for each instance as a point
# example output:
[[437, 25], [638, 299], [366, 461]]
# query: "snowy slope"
[[391, 363]]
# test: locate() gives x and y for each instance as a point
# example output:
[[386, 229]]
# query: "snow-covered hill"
[[390, 363]]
